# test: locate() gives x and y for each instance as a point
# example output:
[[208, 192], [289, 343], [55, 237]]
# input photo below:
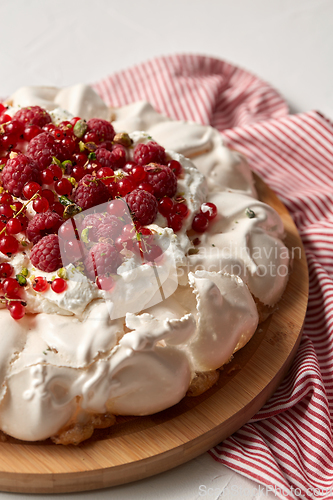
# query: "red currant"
[[78, 172], [6, 199], [117, 208], [47, 176], [175, 221], [56, 171], [31, 131], [91, 137], [41, 205], [6, 212], [58, 208], [49, 127], [6, 270], [40, 284], [8, 244], [23, 221], [57, 133], [181, 209], [59, 285], [129, 166], [106, 174], [79, 159], [153, 252], [72, 250], [146, 187], [16, 206], [11, 287], [93, 166], [49, 195], [5, 118], [30, 189], [125, 185], [105, 283], [138, 174], [209, 210], [13, 226], [175, 167], [16, 309], [200, 223], [165, 206], [63, 187]]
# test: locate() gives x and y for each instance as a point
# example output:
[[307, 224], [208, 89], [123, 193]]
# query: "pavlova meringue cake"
[[129, 273]]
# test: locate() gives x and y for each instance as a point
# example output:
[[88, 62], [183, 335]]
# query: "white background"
[[288, 43]]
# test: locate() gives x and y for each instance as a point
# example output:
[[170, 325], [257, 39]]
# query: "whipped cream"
[[129, 352]]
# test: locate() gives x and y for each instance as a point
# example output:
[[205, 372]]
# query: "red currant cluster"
[[208, 212], [11, 288], [13, 220], [79, 164]]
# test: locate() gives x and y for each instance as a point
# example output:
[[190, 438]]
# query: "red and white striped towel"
[[288, 445]]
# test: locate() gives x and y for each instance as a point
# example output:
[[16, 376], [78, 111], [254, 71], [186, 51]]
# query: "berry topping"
[[148, 153], [43, 224], [162, 179], [43, 148], [45, 255], [90, 192], [102, 130], [143, 205], [102, 259], [33, 115], [18, 171]]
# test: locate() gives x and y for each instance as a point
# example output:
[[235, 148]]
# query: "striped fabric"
[[288, 445]]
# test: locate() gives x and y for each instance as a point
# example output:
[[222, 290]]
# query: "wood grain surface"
[[138, 447]]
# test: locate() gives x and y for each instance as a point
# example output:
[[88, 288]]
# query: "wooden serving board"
[[138, 447]]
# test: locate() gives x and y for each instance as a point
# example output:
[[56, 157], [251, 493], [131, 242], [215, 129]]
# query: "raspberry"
[[110, 228], [90, 192], [45, 255], [17, 172], [113, 159], [148, 153], [102, 226], [101, 128], [102, 259], [104, 156], [43, 147], [143, 205], [33, 115], [162, 179], [42, 224]]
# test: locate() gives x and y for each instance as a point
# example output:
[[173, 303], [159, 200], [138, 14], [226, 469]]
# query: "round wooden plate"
[[138, 447]]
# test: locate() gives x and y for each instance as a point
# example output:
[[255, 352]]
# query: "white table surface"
[[288, 43]]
